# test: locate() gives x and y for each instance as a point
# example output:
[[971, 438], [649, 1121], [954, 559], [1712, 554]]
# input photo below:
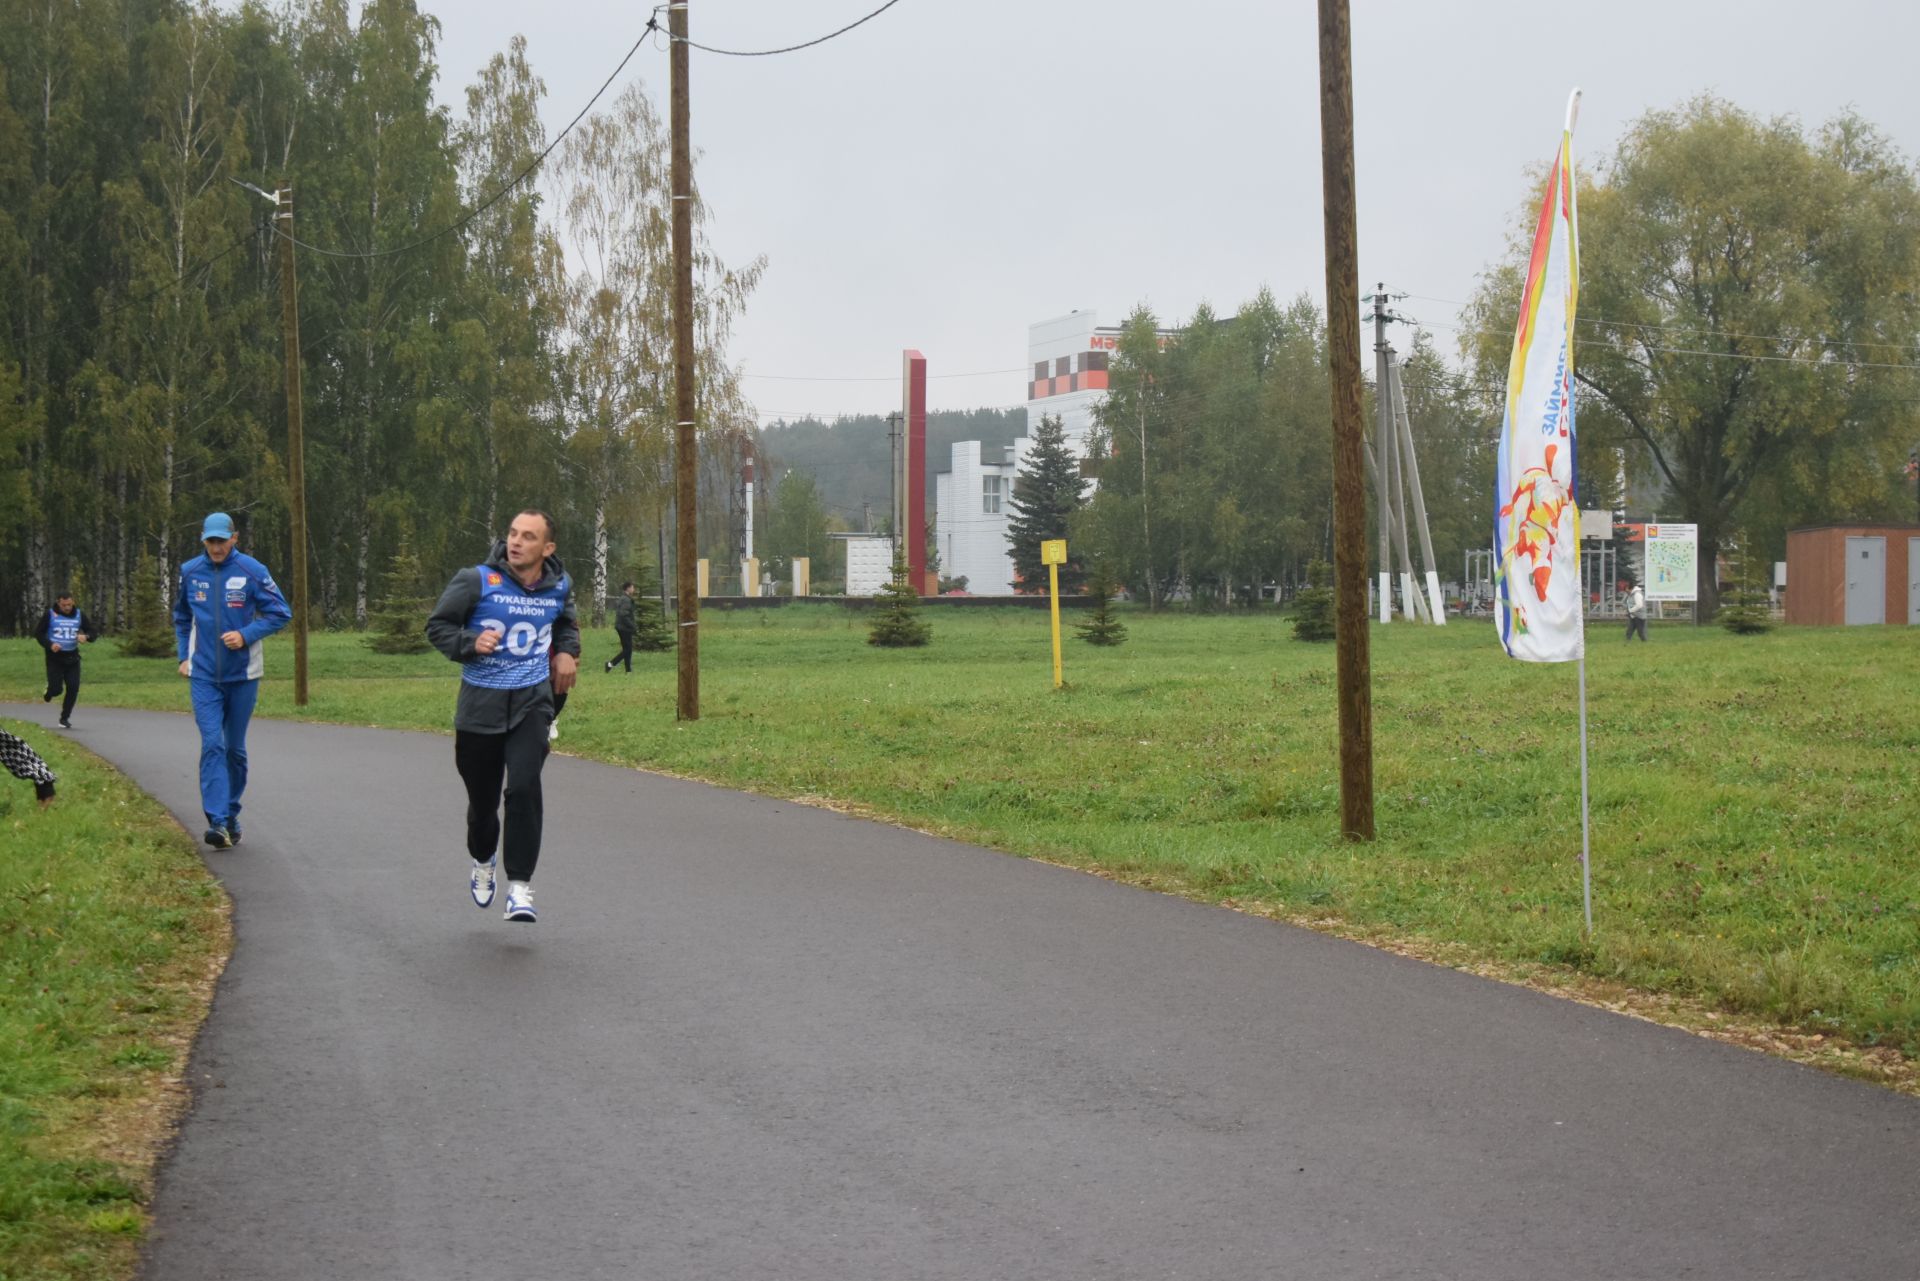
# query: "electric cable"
[[152, 294], [884, 378], [495, 198], [1600, 323], [793, 48], [1835, 362]]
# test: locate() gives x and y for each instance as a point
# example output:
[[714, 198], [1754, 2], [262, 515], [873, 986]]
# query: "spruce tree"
[[1101, 627], [652, 633], [896, 619], [150, 633], [1313, 608], [1046, 493], [400, 620], [1746, 612]]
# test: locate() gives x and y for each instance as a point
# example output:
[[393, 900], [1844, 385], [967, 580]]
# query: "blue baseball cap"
[[218, 525]]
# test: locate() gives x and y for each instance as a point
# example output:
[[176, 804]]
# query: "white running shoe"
[[481, 883], [520, 901]]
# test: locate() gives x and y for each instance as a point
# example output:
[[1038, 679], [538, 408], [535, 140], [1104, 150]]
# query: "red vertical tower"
[[913, 394]]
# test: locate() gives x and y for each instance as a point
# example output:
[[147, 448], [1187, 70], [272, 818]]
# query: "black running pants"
[[626, 651], [483, 761], [63, 672]]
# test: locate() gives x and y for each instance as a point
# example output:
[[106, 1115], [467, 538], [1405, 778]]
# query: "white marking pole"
[[1586, 851]]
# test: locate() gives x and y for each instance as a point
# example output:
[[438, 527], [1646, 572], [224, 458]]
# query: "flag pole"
[[1586, 826]]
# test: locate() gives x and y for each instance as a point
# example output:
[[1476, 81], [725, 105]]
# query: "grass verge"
[[112, 934], [1754, 800]]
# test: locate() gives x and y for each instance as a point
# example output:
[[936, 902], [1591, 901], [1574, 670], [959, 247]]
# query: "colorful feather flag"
[[1536, 522]]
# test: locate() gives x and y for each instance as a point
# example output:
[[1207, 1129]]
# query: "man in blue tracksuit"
[[510, 625], [227, 606]]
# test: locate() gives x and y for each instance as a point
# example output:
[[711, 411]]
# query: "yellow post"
[[1053, 554]]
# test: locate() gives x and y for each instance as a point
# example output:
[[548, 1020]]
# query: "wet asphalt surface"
[[751, 1039]]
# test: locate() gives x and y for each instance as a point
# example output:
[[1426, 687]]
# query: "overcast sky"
[[956, 169]]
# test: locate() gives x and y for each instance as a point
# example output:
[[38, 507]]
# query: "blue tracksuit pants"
[[222, 710]]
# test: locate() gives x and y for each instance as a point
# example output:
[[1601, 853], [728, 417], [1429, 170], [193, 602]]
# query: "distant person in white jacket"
[[1637, 613]]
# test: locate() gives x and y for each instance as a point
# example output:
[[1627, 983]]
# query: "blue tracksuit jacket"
[[236, 595]]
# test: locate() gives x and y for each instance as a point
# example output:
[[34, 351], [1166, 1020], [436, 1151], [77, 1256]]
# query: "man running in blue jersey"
[[227, 606], [510, 625], [63, 630]]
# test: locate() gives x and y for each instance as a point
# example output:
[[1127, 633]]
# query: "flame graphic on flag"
[[1536, 523]]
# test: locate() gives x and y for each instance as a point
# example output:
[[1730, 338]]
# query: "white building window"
[[991, 489]]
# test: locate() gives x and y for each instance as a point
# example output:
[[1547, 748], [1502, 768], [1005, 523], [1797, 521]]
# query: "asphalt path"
[[751, 1039]]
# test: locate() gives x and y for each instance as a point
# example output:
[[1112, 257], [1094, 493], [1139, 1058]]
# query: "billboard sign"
[[1673, 562]]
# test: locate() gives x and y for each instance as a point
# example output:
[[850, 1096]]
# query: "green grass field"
[[1754, 800], [111, 934]]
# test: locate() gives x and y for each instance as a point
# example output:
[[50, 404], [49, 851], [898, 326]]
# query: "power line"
[[832, 418], [177, 281], [652, 26], [1835, 362], [794, 48], [884, 378], [1599, 323]]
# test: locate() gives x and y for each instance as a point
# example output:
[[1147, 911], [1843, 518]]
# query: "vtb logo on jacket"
[[237, 595], [523, 619]]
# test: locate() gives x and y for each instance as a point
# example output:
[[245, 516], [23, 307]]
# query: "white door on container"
[[1913, 580], [1866, 581]]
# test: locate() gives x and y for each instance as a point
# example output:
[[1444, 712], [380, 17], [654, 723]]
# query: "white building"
[[1069, 356], [869, 562], [970, 517]]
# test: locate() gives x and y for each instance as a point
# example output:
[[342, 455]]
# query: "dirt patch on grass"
[[135, 1115]]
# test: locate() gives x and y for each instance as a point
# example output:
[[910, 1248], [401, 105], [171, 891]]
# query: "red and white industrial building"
[[1069, 357]]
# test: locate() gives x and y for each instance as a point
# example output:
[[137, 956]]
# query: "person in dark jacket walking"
[[623, 628], [510, 625], [63, 630], [227, 606]]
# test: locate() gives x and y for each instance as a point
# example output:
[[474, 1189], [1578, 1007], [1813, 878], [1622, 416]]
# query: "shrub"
[[1313, 608], [896, 621], [1101, 627], [150, 631]]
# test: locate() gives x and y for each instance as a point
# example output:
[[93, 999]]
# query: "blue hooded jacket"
[[239, 595]]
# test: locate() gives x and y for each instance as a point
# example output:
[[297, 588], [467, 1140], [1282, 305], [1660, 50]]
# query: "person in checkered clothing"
[[23, 762]]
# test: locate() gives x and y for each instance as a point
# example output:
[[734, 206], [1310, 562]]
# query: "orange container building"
[[1853, 575]]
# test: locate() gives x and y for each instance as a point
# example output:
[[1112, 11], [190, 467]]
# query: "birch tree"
[[618, 368]]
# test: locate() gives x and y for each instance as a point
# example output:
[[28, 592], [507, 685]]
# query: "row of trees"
[[1748, 352], [1749, 334], [1215, 461], [458, 365]]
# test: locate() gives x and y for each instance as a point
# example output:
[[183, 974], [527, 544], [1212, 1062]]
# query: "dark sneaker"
[[65, 723], [219, 838], [233, 830]]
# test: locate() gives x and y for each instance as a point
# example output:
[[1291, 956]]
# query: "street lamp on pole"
[[296, 448]]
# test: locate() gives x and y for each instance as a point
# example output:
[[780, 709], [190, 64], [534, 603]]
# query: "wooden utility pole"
[[296, 442], [1349, 493], [685, 494]]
